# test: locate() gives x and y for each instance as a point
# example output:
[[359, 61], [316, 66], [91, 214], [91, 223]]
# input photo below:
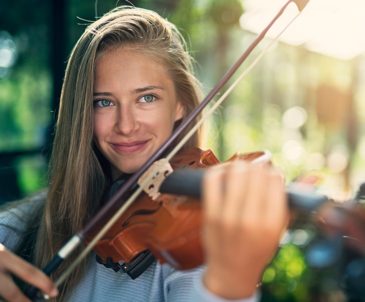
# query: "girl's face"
[[135, 107]]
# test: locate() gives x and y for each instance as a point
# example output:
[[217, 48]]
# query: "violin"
[[169, 225]]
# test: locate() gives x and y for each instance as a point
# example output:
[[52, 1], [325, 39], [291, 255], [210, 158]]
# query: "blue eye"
[[148, 98], [102, 103]]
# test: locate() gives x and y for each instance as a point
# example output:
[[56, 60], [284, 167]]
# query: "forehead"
[[130, 65], [127, 56]]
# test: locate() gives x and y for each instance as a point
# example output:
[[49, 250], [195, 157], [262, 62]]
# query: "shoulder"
[[15, 217], [16, 212]]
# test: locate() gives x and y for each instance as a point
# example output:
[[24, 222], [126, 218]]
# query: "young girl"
[[128, 83]]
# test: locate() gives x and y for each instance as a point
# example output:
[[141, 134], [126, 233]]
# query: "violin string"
[[216, 104], [139, 190]]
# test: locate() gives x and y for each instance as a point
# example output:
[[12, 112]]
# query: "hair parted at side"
[[77, 175]]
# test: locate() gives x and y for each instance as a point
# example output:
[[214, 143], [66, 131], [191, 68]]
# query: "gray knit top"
[[158, 283]]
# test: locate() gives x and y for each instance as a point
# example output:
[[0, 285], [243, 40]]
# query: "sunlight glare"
[[330, 27]]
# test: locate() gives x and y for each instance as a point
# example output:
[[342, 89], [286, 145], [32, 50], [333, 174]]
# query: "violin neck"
[[189, 182]]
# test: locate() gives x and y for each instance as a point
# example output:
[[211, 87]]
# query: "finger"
[[278, 209], [212, 200], [9, 291], [213, 192], [25, 271], [236, 187], [255, 195]]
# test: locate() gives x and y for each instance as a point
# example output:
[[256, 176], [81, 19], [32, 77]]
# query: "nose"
[[126, 121]]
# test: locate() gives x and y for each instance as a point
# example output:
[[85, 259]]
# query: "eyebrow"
[[102, 93], [148, 88], [138, 90]]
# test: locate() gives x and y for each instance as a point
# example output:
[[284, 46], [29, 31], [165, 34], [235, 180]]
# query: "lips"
[[129, 147]]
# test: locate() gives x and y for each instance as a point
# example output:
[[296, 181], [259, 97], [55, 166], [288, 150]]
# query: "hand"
[[12, 264], [245, 214]]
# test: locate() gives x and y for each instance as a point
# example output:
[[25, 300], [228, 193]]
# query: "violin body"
[[169, 227]]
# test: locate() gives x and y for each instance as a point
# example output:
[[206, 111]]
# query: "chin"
[[130, 169]]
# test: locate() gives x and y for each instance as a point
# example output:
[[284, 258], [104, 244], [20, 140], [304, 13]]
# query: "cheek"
[[163, 122], [100, 127]]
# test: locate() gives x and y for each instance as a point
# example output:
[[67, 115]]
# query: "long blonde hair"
[[77, 170]]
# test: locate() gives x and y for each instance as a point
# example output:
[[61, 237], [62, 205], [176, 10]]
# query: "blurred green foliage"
[[283, 279]]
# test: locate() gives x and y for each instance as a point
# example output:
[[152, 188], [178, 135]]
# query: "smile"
[[130, 147]]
